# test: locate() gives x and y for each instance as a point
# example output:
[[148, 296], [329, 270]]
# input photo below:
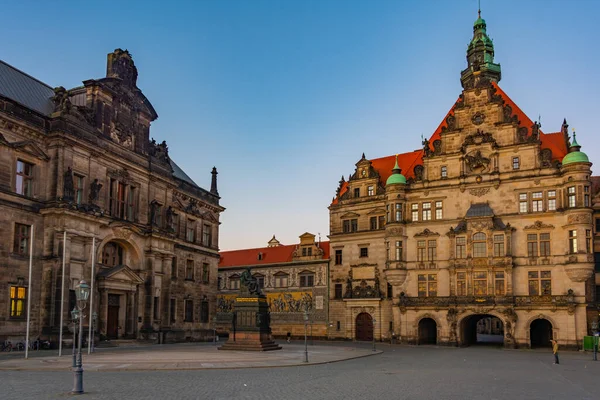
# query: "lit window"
[[399, 250], [537, 202], [461, 284], [18, 296], [515, 163], [571, 196], [426, 212], [427, 285], [461, 247], [573, 241], [551, 200], [480, 283], [414, 212], [370, 191], [479, 245], [398, 212], [438, 210], [421, 249], [444, 172], [523, 203]]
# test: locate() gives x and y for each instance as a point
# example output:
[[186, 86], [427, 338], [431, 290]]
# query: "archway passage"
[[540, 333], [364, 327], [427, 331], [482, 329]]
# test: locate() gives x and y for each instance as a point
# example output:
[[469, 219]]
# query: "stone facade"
[[487, 221], [81, 162], [293, 277]]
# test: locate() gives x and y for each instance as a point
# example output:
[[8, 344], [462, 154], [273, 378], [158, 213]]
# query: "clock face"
[[364, 172]]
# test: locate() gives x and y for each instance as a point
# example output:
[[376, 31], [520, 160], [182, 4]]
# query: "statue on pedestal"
[[249, 282]]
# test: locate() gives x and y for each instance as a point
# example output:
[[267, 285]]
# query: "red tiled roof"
[[407, 161], [270, 255]]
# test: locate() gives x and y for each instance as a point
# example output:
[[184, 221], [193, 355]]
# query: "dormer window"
[[356, 192], [260, 256], [370, 191]]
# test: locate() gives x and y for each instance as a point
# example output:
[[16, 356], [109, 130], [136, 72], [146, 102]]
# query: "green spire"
[[480, 58], [575, 155], [396, 176]]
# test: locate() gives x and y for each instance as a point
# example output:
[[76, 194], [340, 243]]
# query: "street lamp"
[[305, 332], [595, 339], [75, 318], [94, 320], [82, 294], [374, 321]]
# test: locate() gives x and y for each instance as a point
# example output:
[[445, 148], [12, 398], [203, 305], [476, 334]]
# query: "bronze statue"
[[94, 191], [250, 282]]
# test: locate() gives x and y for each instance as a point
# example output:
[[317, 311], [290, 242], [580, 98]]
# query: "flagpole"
[[31, 237], [62, 296], [91, 310]]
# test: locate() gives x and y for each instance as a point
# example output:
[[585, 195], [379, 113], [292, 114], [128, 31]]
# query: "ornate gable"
[[26, 146]]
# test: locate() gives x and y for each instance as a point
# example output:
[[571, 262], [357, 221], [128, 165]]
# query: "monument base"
[[250, 341]]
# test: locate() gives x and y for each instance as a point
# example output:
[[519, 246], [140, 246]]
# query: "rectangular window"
[[426, 212], [338, 291], [540, 283], [370, 191], [364, 252], [399, 250], [523, 203], [78, 187], [479, 283], [414, 208], [398, 212], [515, 163], [461, 247], [117, 200], [338, 257], [189, 270], [205, 273], [189, 311], [571, 197], [24, 178], [461, 284], [204, 316], [551, 200], [573, 241], [156, 308], [499, 246], [260, 281], [190, 231], [499, 284], [438, 210], [588, 241], [18, 297], [544, 244], [346, 226], [431, 250], [444, 172], [537, 202], [597, 225], [427, 285], [304, 252], [131, 200], [234, 283], [174, 267], [206, 235], [172, 310], [373, 223], [586, 196], [281, 281], [532, 245], [353, 225], [307, 280], [338, 325], [381, 221], [21, 242], [421, 249], [356, 192]]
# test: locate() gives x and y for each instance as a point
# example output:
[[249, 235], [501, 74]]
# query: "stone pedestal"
[[250, 325]]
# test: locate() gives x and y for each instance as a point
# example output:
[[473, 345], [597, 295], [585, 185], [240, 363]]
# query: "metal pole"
[[74, 341], [78, 371], [374, 321], [29, 292], [62, 294], [90, 339], [305, 342]]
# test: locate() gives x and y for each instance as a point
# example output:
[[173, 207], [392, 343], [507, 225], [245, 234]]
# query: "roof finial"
[[479, 9]]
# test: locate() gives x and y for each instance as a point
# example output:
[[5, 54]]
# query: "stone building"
[[593, 284], [81, 161], [293, 277], [492, 218]]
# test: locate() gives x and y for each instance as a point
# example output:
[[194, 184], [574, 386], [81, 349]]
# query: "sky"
[[283, 97]]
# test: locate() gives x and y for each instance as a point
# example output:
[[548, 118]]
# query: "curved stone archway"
[[540, 333], [483, 329], [364, 327], [427, 331]]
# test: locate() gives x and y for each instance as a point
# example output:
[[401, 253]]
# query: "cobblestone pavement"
[[400, 372]]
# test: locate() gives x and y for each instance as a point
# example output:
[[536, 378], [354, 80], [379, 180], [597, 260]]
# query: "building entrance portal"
[[364, 327], [540, 333], [427, 331], [482, 329], [112, 319]]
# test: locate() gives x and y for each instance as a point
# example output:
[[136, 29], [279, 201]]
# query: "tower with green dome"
[[481, 68], [575, 154], [396, 177]]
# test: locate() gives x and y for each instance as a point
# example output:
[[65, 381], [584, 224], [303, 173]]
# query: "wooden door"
[[112, 324], [364, 327]]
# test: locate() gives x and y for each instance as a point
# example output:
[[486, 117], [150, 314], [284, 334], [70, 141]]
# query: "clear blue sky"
[[284, 96]]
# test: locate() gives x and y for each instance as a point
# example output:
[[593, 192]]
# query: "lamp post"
[[94, 320], [82, 293], [595, 339], [75, 318], [305, 333], [374, 321]]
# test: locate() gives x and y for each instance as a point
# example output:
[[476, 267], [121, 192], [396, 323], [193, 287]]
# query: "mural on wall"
[[280, 302]]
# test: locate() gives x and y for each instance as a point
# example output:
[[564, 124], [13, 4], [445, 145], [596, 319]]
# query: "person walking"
[[555, 351], [289, 337]]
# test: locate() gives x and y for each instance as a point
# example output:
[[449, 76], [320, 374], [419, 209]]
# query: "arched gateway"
[[482, 329], [540, 333], [427, 331], [364, 327]]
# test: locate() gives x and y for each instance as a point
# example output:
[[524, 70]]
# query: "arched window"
[[281, 280], [479, 245], [234, 282], [112, 254]]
